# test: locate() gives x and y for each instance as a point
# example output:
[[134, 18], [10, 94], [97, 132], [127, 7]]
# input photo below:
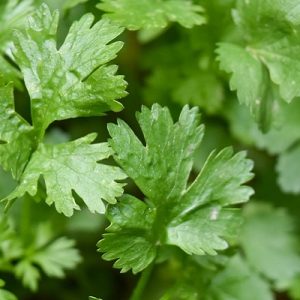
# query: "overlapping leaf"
[[68, 82], [13, 14], [16, 135], [72, 167], [270, 58], [192, 216], [155, 14], [75, 79]]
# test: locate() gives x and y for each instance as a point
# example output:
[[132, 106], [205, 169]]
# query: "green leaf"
[[249, 78], [190, 216], [6, 295], [9, 73], [75, 79], [288, 170], [28, 273], [60, 255], [257, 19], [213, 234], [144, 14], [129, 238], [13, 14], [53, 257], [72, 167], [272, 33], [16, 135], [283, 134], [294, 289], [269, 60], [277, 258], [5, 229], [238, 281], [201, 88]]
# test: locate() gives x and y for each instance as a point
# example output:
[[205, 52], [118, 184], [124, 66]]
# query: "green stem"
[[141, 285]]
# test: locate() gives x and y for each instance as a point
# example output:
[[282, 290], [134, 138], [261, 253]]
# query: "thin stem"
[[141, 285]]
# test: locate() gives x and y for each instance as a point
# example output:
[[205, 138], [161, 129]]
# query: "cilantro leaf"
[[288, 170], [278, 259], [9, 73], [144, 14], [269, 59], [28, 273], [235, 282], [253, 88], [60, 255], [13, 14], [218, 277], [52, 256], [73, 80], [213, 234], [173, 209], [69, 167], [129, 235], [16, 135], [278, 139], [4, 294], [5, 230]]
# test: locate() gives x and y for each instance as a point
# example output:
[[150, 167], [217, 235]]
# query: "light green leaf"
[[5, 229], [283, 134], [16, 135], [145, 14], [205, 231], [13, 14], [52, 256], [257, 19], [269, 58], [250, 79], [28, 273], [73, 80], [9, 73], [174, 210], [6, 295], [201, 88], [238, 281], [276, 258], [57, 257], [72, 167], [272, 31], [288, 170]]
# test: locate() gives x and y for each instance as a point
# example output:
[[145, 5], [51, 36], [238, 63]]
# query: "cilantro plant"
[[185, 177]]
